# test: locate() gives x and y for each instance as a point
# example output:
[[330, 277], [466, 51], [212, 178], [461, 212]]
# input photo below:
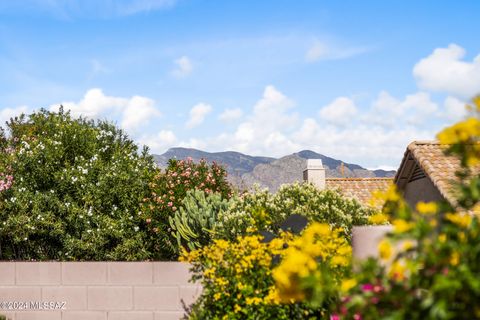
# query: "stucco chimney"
[[315, 173]]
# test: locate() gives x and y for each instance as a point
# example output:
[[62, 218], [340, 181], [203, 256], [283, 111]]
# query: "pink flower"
[[170, 204], [357, 316], [334, 317], [377, 288], [367, 287]]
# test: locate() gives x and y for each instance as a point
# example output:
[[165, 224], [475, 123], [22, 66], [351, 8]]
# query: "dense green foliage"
[[263, 210], [76, 190]]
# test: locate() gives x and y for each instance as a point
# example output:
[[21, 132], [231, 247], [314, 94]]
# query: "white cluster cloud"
[[134, 111], [273, 128], [454, 109], [340, 112], [445, 71], [137, 112], [184, 67], [198, 114], [389, 111], [229, 115], [160, 141]]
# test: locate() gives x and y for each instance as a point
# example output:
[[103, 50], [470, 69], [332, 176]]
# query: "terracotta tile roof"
[[360, 189], [440, 168]]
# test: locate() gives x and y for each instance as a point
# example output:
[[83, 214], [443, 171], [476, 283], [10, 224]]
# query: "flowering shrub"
[[237, 281], [313, 266], [169, 188], [265, 211], [71, 189], [430, 268]]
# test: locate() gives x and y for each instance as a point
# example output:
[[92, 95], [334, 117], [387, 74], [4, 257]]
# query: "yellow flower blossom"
[[407, 245], [465, 133], [460, 219], [385, 249], [378, 218], [401, 226], [398, 271], [254, 300], [442, 237], [427, 208], [347, 284], [319, 243], [454, 258], [237, 308]]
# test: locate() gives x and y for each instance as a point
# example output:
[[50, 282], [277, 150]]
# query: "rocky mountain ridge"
[[245, 170]]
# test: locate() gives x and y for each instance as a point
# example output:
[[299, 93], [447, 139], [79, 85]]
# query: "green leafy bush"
[[169, 188], [72, 190], [195, 223], [263, 210]]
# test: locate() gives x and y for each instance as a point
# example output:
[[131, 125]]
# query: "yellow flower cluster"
[[239, 272], [319, 248], [427, 208], [460, 219], [465, 133], [378, 218]]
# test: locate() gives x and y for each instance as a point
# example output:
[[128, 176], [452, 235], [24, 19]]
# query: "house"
[[427, 174], [360, 189]]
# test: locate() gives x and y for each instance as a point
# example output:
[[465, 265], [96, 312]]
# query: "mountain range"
[[245, 170]]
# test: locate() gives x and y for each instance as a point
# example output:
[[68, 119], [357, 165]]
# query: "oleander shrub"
[[169, 188], [265, 211], [71, 189]]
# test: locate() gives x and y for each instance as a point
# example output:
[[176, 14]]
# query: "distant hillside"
[[236, 163], [244, 170], [384, 173]]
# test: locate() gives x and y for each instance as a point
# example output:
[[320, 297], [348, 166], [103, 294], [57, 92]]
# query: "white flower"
[[136, 228]]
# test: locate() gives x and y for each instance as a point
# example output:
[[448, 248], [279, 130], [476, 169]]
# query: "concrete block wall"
[[95, 290]]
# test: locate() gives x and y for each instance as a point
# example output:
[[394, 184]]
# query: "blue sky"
[[355, 80]]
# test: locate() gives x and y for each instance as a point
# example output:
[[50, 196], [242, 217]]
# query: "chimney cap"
[[314, 164]]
